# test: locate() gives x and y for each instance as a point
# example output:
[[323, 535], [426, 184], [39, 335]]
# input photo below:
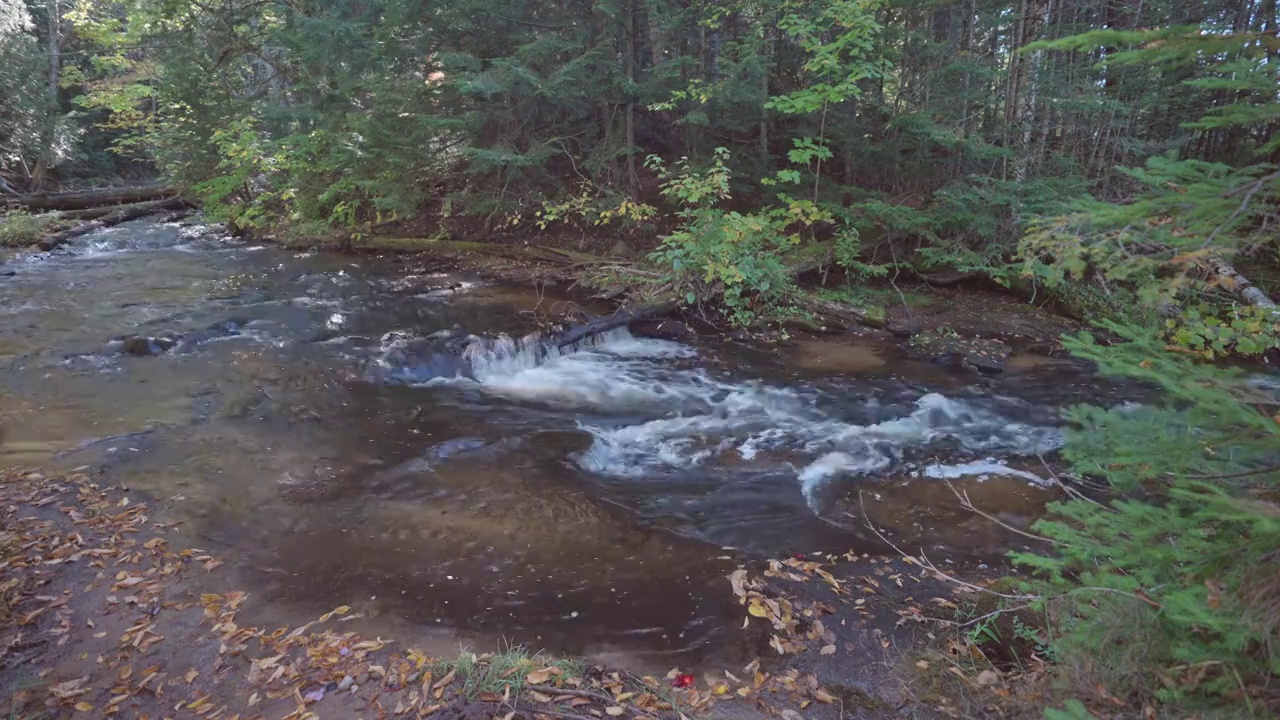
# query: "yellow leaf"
[[83, 706], [537, 677], [758, 609]]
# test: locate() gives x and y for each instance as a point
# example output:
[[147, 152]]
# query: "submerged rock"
[[143, 345], [984, 355]]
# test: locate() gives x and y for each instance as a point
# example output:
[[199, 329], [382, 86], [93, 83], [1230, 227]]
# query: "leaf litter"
[[117, 569]]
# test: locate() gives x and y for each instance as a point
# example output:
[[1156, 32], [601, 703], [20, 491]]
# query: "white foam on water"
[[650, 414], [982, 469]]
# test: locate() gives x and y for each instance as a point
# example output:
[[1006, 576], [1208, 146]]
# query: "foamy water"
[[653, 411]]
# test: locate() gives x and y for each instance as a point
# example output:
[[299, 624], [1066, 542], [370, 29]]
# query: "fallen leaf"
[[538, 677], [444, 681], [615, 710], [827, 650], [191, 675], [823, 696], [988, 677], [83, 706], [682, 681], [776, 643]]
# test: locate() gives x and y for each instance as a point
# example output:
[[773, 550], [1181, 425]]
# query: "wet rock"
[[137, 346], [984, 355], [143, 345], [903, 328]]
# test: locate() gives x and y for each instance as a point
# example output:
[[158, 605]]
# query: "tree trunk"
[[630, 57], [55, 42], [132, 212], [89, 198]]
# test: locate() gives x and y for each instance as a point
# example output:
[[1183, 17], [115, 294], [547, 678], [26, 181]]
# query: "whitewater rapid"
[[652, 409]]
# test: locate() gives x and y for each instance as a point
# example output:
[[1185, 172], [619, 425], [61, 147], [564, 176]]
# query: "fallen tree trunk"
[[94, 213], [121, 215], [81, 200], [1230, 279], [606, 323]]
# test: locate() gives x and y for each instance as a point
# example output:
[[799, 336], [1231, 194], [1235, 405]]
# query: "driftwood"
[[120, 215], [82, 200]]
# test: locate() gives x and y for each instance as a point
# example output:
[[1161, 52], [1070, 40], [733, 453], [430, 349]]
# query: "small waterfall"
[[483, 358], [493, 358]]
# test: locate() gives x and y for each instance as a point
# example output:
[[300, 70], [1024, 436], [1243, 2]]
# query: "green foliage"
[[1240, 330], [22, 97], [595, 207], [1171, 595], [20, 229], [231, 195], [727, 253], [502, 673]]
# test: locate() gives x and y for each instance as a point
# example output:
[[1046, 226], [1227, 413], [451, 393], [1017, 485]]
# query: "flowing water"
[[286, 407]]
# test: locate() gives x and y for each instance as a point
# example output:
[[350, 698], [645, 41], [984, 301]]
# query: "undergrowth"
[[21, 229]]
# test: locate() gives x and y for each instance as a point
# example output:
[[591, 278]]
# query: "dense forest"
[[1117, 156]]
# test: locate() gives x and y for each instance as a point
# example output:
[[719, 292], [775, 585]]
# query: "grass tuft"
[[501, 673], [20, 229]]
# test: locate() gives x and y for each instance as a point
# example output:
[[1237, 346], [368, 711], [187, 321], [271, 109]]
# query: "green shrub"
[[738, 256], [20, 229], [1170, 593]]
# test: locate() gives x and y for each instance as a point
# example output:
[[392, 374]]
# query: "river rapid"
[[275, 403]]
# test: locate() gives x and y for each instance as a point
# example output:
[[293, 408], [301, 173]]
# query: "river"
[[589, 502]]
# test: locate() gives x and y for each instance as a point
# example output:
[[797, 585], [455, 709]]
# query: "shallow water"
[[588, 502]]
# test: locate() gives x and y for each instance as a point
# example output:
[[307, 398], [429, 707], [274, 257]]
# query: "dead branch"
[[967, 504]]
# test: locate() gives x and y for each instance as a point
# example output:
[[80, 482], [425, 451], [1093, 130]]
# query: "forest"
[[1118, 158]]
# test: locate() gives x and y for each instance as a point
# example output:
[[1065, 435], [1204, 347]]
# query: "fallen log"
[[618, 319], [121, 215], [1230, 279], [85, 199], [94, 213]]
